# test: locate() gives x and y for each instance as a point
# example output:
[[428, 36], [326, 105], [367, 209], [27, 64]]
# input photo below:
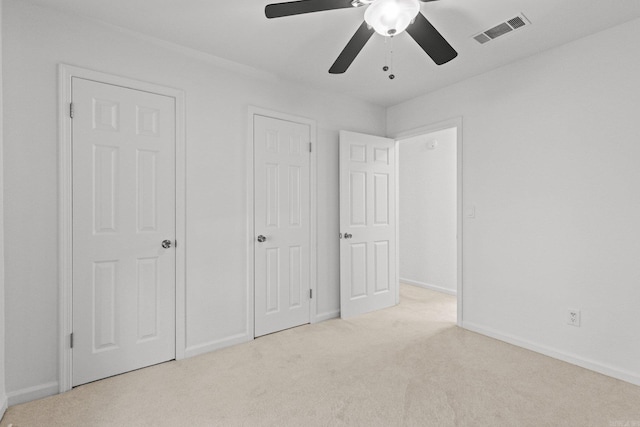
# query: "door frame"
[[65, 208], [250, 235], [455, 122]]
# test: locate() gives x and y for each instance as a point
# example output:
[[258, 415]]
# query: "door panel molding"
[[65, 191], [250, 228]]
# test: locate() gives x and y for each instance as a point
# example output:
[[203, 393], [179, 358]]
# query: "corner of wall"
[[3, 405], [3, 394], [28, 394]]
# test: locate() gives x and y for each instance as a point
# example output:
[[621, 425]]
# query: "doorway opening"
[[429, 209]]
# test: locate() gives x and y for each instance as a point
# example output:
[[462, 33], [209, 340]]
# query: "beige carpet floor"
[[408, 365]]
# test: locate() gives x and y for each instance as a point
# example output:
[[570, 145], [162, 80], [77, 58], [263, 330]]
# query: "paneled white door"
[[281, 224], [368, 262], [123, 229]]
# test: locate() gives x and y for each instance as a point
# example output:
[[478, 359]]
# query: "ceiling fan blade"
[[425, 1], [278, 10], [431, 41], [352, 49]]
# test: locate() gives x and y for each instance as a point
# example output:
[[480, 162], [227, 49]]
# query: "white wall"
[[427, 202], [36, 40], [551, 149], [3, 396]]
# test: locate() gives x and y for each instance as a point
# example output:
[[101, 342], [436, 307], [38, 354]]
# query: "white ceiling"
[[303, 47]]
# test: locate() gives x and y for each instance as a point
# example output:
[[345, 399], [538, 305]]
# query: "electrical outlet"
[[573, 317]]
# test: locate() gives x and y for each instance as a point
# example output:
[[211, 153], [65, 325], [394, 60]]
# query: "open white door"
[[368, 262]]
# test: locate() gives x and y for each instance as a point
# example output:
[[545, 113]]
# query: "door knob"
[[166, 244], [348, 236], [262, 239]]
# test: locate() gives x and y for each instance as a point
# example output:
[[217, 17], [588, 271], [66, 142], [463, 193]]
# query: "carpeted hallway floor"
[[408, 365]]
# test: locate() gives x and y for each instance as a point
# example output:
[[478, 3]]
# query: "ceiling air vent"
[[502, 29], [482, 38]]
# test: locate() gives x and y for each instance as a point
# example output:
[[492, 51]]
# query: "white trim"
[[207, 347], [574, 359], [397, 207], [3, 339], [313, 222], [429, 286], [181, 224], [321, 317], [250, 308], [4, 404], [65, 225], [32, 393], [313, 218], [455, 122]]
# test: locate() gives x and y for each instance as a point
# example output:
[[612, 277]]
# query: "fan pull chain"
[[389, 58]]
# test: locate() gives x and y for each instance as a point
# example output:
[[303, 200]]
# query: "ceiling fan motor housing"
[[358, 3], [386, 17], [391, 17]]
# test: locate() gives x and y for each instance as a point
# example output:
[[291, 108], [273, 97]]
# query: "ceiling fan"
[[385, 17]]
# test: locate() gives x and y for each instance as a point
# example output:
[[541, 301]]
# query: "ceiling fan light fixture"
[[358, 3], [391, 17]]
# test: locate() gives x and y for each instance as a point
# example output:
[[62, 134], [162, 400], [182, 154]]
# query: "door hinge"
[[71, 110], [310, 147], [310, 293], [71, 340]]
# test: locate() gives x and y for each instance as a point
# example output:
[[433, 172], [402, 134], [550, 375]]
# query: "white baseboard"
[[196, 350], [326, 316], [4, 404], [573, 359], [429, 286], [32, 393]]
